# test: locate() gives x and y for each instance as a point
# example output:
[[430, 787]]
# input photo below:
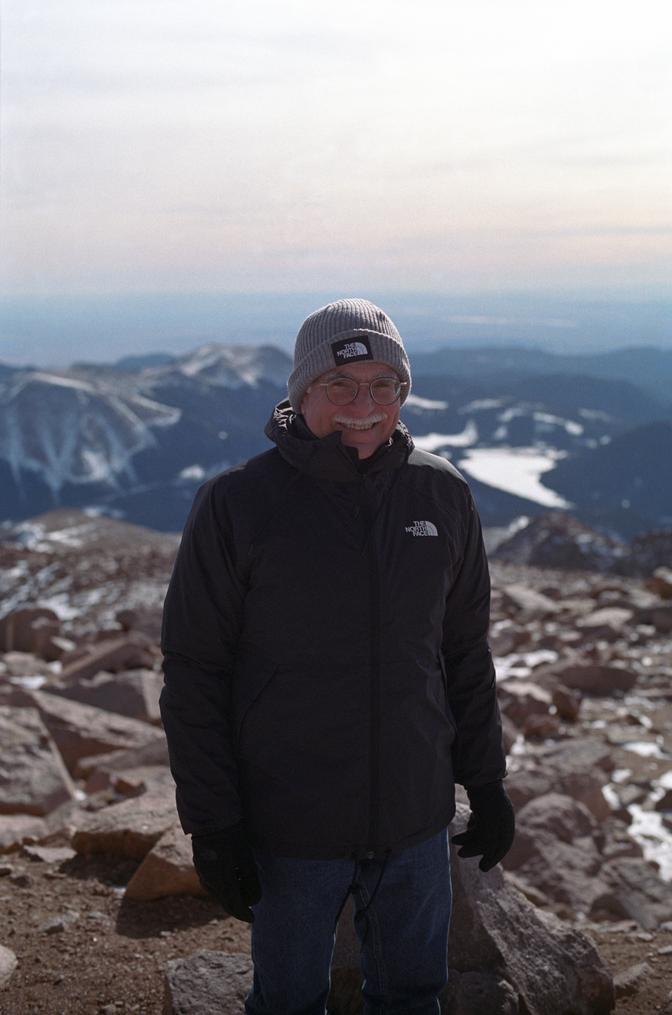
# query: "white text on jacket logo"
[[422, 529], [352, 349]]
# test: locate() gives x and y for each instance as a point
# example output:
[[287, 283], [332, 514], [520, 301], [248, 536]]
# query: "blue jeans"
[[402, 911]]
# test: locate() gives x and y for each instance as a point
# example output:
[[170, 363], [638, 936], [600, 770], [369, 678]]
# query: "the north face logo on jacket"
[[350, 350], [422, 529]]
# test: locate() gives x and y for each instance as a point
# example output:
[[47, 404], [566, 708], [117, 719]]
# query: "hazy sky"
[[158, 146]]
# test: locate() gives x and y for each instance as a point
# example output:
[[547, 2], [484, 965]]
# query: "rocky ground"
[[95, 880]]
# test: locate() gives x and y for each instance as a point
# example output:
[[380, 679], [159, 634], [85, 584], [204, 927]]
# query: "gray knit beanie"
[[343, 332]]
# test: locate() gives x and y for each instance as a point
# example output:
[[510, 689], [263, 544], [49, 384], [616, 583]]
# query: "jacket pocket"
[[444, 678]]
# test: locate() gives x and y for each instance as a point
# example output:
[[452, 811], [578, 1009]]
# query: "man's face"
[[364, 424]]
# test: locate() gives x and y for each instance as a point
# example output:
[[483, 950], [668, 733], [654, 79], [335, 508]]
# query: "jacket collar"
[[327, 457]]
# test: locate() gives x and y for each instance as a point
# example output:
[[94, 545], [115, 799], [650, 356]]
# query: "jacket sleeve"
[[201, 622], [478, 753]]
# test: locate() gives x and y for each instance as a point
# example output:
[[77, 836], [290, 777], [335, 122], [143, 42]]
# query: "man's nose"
[[364, 392]]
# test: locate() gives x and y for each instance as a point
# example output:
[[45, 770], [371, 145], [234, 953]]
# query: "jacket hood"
[[327, 457]]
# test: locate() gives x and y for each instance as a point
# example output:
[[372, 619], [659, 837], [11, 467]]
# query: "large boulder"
[[80, 731], [595, 679], [133, 693], [556, 852], [127, 829], [129, 651], [207, 983], [19, 829], [526, 603], [33, 778], [29, 629], [635, 892], [166, 870]]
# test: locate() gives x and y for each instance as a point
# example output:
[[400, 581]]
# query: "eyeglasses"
[[344, 390]]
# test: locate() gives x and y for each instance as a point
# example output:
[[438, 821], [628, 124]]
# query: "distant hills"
[[531, 430]]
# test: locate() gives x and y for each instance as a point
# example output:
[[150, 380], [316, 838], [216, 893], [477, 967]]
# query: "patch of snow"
[[416, 402], [621, 774], [645, 748], [548, 421], [594, 414], [433, 441], [481, 405], [648, 830], [32, 683], [516, 471], [509, 414]]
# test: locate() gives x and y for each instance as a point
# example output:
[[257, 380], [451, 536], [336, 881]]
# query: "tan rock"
[[33, 778], [154, 752], [166, 870], [133, 693], [567, 703], [146, 620], [127, 652], [660, 582], [17, 829], [28, 629], [525, 603], [593, 678], [520, 699], [80, 731], [127, 829]]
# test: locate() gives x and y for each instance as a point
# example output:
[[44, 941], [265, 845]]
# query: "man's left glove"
[[226, 869], [491, 826]]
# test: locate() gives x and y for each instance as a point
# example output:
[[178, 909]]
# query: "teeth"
[[360, 424]]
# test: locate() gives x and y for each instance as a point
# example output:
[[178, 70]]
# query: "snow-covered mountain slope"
[[136, 438], [71, 431]]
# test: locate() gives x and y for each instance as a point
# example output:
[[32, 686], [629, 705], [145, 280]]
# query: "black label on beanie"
[[350, 350]]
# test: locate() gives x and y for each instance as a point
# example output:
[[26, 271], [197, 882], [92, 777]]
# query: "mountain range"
[[531, 430]]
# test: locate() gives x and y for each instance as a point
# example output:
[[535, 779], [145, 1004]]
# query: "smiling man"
[[328, 679]]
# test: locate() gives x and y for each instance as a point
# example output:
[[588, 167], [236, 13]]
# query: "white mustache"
[[360, 424]]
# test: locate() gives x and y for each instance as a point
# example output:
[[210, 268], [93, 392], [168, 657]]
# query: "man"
[[328, 678]]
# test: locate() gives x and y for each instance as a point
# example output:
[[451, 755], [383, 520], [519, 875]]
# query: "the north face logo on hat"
[[349, 350], [422, 529]]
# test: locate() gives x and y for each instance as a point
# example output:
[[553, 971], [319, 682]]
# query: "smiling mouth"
[[359, 424]]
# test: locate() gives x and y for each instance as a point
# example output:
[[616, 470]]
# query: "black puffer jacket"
[[327, 673]]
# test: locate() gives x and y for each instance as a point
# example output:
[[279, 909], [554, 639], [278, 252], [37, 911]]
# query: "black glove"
[[491, 826], [226, 869]]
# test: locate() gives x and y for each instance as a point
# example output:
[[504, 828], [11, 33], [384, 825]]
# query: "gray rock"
[[628, 981], [8, 963], [635, 892], [61, 922], [477, 993], [207, 983]]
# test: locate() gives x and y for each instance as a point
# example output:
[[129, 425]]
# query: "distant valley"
[[531, 430]]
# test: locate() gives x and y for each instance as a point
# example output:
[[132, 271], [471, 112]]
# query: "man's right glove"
[[226, 869], [491, 826]]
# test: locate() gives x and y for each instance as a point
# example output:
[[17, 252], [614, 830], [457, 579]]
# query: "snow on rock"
[[231, 366]]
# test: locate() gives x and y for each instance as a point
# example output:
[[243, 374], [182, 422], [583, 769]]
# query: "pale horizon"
[[255, 148]]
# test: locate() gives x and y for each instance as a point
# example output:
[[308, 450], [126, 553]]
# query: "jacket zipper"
[[374, 670]]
